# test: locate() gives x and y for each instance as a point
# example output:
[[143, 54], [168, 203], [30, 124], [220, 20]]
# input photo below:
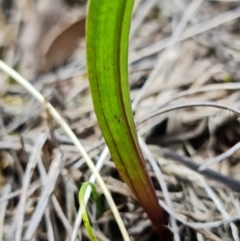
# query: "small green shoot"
[[95, 197]]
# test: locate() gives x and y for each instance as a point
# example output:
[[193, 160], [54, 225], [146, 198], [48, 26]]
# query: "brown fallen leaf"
[[50, 37], [45, 15], [61, 41]]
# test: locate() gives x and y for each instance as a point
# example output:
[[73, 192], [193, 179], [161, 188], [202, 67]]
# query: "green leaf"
[[108, 27], [83, 207]]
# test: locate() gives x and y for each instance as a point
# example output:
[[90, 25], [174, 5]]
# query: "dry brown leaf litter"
[[209, 59]]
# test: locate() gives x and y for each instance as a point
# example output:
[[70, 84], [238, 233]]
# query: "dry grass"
[[181, 53]]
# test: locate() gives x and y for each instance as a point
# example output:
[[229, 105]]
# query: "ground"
[[184, 78]]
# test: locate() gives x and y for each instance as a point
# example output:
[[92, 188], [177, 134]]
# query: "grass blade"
[[95, 197], [108, 27]]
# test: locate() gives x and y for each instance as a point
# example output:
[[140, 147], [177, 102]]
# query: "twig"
[[192, 7], [48, 189], [199, 225], [140, 15], [59, 212], [181, 106], [189, 33], [18, 219], [227, 181], [3, 206], [209, 236], [162, 184], [221, 157], [220, 207], [31, 189], [213, 87], [49, 225]]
